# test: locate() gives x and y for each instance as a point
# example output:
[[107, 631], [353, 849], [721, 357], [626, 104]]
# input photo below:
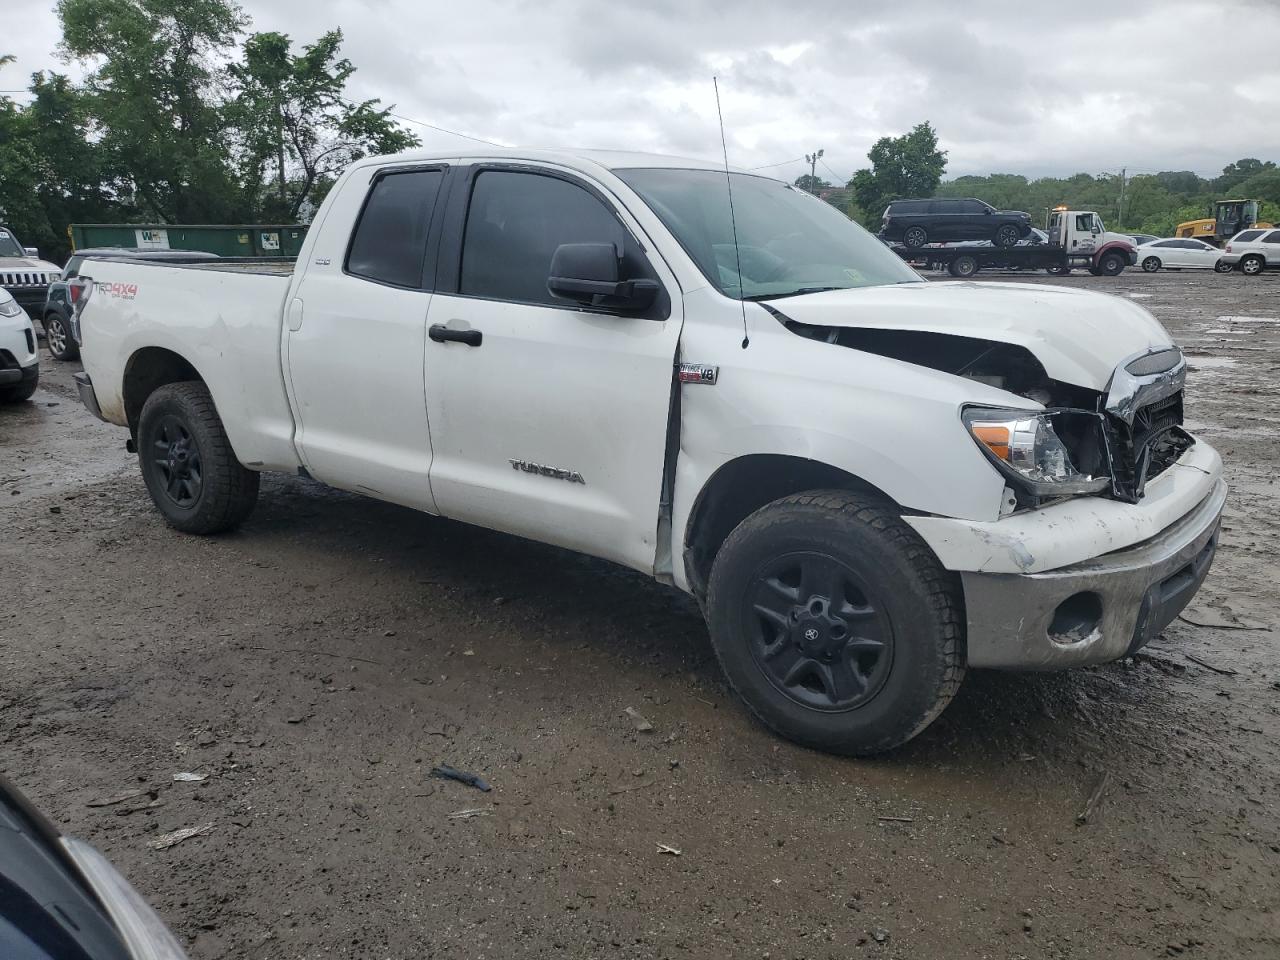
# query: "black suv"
[[917, 222], [59, 332]]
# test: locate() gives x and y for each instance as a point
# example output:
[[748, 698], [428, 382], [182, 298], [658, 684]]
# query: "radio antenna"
[[733, 223]]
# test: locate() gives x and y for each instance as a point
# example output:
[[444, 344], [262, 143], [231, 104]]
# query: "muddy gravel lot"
[[315, 665]]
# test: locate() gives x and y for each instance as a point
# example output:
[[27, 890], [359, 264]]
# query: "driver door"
[[548, 419]]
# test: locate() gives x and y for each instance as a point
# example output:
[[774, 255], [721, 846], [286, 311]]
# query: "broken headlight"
[[1049, 454]]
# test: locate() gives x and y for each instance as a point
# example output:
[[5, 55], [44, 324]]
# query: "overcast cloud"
[[1020, 87]]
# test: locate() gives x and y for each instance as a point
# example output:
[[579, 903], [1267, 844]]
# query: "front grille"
[[1147, 448], [26, 278]]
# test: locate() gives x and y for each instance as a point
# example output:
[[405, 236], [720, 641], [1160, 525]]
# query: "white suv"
[[19, 362], [1255, 250]]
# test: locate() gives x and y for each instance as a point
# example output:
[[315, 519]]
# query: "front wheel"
[[1111, 265], [1008, 235], [1151, 264], [835, 623], [1223, 267], [62, 346], [190, 470], [1251, 265], [22, 391]]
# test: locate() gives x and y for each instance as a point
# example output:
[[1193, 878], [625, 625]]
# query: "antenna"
[[733, 222]]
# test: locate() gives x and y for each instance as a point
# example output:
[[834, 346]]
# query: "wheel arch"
[[148, 369], [740, 487]]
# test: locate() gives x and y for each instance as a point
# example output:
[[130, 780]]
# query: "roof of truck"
[[574, 158]]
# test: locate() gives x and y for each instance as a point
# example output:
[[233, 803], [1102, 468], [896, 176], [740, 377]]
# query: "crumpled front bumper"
[[1089, 579], [1094, 611]]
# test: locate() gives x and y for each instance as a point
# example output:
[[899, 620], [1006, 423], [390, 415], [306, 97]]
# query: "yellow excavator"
[[1226, 219]]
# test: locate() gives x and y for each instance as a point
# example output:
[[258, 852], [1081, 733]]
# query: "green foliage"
[[907, 166], [811, 184], [163, 129], [290, 112]]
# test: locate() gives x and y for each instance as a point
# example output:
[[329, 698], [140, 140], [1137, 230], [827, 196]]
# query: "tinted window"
[[390, 241], [1273, 237], [1167, 243], [1248, 235], [913, 207], [514, 225], [72, 269], [977, 206]]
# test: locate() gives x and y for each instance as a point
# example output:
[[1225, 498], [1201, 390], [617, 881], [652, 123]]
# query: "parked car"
[[1175, 254], [19, 361], [23, 273], [1140, 238], [917, 222], [1253, 251], [59, 333], [60, 899], [868, 481]]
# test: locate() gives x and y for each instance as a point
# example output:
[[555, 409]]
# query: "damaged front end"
[[1107, 442]]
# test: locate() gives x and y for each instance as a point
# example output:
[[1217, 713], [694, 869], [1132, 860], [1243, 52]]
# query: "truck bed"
[[271, 266]]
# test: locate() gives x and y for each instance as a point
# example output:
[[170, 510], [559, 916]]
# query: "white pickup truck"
[[868, 481]]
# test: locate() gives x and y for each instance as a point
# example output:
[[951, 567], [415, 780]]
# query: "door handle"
[[442, 334]]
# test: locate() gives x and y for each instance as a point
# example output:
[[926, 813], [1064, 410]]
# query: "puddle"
[[1210, 363], [1139, 296], [1248, 319]]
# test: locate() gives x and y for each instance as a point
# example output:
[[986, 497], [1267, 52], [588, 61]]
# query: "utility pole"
[[1120, 211], [812, 159]]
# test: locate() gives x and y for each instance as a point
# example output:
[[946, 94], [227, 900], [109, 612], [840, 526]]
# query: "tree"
[[811, 184], [907, 166], [153, 100], [293, 118]]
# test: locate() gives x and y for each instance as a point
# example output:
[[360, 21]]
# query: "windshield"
[[788, 241], [9, 245]]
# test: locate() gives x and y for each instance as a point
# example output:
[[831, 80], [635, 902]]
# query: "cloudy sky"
[[1170, 84]]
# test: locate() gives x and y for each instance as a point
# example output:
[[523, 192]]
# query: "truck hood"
[[1079, 336], [28, 265]]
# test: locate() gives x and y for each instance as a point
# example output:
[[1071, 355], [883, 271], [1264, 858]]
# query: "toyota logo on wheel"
[[811, 634]]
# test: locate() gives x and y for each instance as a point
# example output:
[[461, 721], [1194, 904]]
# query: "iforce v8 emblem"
[[699, 373]]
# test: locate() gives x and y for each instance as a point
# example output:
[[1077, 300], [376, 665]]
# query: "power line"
[[780, 163], [423, 123], [833, 173]]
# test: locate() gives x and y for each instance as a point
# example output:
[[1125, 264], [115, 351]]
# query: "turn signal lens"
[[994, 438]]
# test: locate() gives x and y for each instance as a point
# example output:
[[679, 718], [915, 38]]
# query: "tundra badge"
[[573, 476]]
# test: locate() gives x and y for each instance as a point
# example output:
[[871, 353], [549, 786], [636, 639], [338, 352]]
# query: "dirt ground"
[[317, 664]]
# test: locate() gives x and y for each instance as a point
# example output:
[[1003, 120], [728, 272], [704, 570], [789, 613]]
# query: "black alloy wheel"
[[819, 636], [175, 462]]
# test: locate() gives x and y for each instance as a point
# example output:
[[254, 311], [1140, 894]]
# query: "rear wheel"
[[1252, 265], [190, 470], [58, 337], [1007, 235], [915, 237], [1151, 264], [965, 265], [1111, 265], [1058, 270], [835, 623]]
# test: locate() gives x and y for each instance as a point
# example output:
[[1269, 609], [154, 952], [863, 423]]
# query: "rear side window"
[[1248, 235], [390, 240], [514, 224], [1272, 237], [72, 269]]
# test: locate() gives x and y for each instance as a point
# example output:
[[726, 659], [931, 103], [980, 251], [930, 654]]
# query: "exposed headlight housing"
[[1027, 448]]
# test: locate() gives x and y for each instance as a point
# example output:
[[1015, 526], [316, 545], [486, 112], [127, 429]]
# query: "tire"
[[1007, 235], [915, 237], [965, 265], [1151, 264], [187, 462], [1223, 267], [796, 658], [58, 338], [1111, 265], [1095, 271], [1252, 265], [1058, 270], [21, 392]]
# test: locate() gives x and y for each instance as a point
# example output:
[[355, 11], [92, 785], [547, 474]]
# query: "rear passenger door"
[[355, 336], [548, 419]]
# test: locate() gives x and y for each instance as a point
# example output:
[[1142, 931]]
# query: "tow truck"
[[1077, 238]]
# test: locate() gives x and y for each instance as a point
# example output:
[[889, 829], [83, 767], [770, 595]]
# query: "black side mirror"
[[587, 273]]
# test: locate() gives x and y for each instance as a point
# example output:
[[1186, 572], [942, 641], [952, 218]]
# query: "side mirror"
[[587, 274], [33, 252]]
